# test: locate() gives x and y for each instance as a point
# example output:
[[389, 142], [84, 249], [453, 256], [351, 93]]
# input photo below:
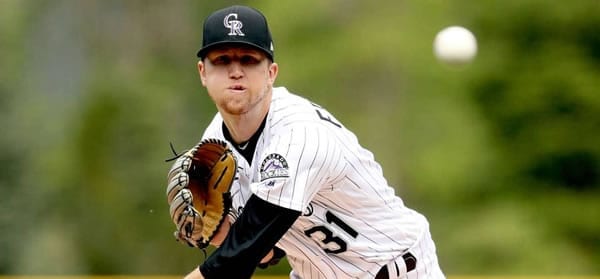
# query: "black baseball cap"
[[239, 25]]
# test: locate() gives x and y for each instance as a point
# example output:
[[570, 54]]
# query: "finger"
[[176, 184], [187, 222], [190, 225], [182, 200], [182, 164]]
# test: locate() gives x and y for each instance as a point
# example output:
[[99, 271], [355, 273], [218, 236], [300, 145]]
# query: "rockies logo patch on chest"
[[273, 166]]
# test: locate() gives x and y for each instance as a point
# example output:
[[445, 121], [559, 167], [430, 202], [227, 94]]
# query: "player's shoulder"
[[291, 113], [214, 128], [289, 108], [284, 99]]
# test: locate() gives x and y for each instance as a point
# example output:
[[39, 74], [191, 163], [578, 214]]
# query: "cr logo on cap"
[[234, 25]]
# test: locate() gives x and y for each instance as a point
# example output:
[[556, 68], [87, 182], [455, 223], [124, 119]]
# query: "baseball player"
[[305, 188]]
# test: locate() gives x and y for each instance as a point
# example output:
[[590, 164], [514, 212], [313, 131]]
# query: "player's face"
[[239, 79]]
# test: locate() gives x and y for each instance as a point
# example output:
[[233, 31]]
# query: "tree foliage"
[[502, 155]]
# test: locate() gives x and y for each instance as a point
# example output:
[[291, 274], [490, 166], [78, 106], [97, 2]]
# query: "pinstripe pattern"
[[352, 222]]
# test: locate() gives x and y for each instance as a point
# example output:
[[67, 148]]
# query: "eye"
[[249, 60], [221, 60]]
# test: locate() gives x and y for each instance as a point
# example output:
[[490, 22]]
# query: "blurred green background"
[[502, 155]]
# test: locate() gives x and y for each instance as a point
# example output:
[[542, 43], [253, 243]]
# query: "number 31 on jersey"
[[329, 242]]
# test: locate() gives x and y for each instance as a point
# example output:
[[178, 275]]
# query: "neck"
[[242, 127]]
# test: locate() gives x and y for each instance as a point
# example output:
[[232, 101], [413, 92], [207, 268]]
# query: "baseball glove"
[[198, 191]]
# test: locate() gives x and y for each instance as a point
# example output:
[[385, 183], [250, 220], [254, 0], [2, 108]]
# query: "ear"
[[202, 72], [273, 70]]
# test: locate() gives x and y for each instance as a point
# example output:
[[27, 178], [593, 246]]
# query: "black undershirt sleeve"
[[250, 238]]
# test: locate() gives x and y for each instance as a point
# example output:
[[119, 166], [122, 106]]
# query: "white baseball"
[[455, 45]]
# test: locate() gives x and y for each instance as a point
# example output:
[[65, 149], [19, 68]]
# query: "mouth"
[[237, 88]]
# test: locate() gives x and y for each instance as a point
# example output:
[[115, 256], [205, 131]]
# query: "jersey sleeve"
[[296, 164], [256, 231]]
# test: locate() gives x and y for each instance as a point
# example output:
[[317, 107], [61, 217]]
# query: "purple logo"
[[274, 165]]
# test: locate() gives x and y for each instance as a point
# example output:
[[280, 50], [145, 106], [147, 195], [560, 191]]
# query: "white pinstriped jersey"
[[306, 160]]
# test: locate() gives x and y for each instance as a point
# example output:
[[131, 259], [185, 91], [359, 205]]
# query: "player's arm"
[[195, 274], [250, 239], [272, 258], [222, 232]]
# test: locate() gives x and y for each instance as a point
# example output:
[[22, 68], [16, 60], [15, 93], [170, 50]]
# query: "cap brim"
[[203, 51]]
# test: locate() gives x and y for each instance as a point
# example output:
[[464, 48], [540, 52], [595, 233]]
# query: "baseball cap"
[[236, 24]]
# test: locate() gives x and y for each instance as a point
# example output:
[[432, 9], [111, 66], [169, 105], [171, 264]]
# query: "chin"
[[234, 110]]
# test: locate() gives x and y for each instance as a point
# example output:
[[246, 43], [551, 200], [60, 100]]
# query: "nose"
[[235, 70]]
